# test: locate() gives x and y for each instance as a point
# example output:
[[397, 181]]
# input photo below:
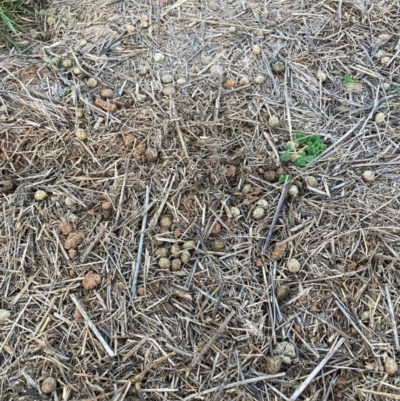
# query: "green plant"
[[303, 150], [10, 11], [396, 89], [348, 79], [284, 178]]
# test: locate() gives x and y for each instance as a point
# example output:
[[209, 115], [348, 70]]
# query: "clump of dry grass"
[[204, 156]]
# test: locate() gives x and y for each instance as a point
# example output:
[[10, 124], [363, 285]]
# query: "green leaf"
[[299, 135], [309, 159], [301, 162], [312, 149], [314, 139], [301, 154], [284, 178], [290, 147], [348, 79], [285, 156], [47, 60]]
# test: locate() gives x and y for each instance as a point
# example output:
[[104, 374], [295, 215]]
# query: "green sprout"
[[284, 178], [303, 150], [348, 79], [10, 12], [396, 89]]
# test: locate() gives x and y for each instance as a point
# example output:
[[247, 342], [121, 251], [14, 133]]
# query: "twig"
[[341, 307], [273, 147], [276, 216], [392, 318], [314, 373], [93, 244], [380, 394], [217, 99], [289, 118], [220, 329], [178, 129], [235, 384], [121, 197], [141, 240], [190, 276], [92, 326], [221, 292], [348, 133], [140, 376]]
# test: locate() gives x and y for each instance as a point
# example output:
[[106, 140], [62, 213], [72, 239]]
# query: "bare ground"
[[207, 330]]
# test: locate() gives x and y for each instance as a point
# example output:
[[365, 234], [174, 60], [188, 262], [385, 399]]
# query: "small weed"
[[396, 89], [284, 178], [10, 12], [348, 79], [303, 150]]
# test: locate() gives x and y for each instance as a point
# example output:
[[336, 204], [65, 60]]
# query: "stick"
[[276, 216], [235, 384], [217, 99], [93, 244], [141, 240], [190, 276], [316, 370], [380, 393], [392, 318], [221, 292], [348, 133], [121, 198], [92, 326], [178, 129], [139, 377], [220, 329], [266, 136], [341, 307]]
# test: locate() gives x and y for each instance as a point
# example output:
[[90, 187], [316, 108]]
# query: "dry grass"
[[205, 331]]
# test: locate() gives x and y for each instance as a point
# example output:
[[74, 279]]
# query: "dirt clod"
[[185, 256], [165, 222], [217, 229], [81, 134], [8, 186], [91, 83], [77, 315], [278, 67], [164, 263], [391, 366], [176, 264], [73, 240], [40, 196], [368, 176], [217, 245], [49, 385], [151, 155], [106, 93], [4, 315], [91, 281], [279, 251], [161, 253], [72, 253], [258, 213], [269, 176], [282, 292], [65, 228], [293, 265], [189, 245], [273, 364]]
